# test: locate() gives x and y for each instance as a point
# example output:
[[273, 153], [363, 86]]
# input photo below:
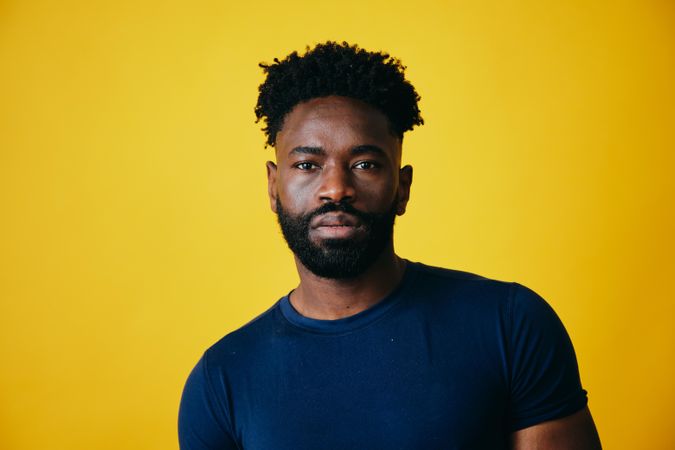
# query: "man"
[[371, 351]]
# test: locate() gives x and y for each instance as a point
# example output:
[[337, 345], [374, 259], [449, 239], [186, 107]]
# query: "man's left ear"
[[405, 177]]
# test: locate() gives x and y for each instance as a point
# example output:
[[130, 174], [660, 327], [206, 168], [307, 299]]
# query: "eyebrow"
[[308, 150], [356, 151], [364, 149]]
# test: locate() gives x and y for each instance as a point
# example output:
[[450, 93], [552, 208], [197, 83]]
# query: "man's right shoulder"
[[247, 339]]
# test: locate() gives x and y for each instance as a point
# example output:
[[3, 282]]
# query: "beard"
[[338, 258]]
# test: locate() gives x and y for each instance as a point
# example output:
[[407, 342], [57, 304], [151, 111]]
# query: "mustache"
[[341, 207]]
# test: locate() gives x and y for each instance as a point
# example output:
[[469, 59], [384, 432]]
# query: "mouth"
[[336, 226]]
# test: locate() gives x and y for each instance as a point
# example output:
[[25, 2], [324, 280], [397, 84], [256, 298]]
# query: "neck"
[[330, 299]]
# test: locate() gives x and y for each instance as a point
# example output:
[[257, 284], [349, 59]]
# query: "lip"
[[334, 220], [336, 226]]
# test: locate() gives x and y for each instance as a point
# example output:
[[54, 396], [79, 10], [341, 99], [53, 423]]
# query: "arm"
[[574, 432], [202, 421], [548, 408]]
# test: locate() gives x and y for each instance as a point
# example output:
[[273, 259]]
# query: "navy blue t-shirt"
[[449, 360]]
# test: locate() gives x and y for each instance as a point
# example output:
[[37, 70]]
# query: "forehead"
[[335, 123]]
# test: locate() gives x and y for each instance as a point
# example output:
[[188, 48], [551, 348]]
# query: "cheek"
[[375, 196], [295, 193]]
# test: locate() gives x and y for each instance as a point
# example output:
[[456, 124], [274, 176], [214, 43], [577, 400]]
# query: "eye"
[[365, 165], [305, 165]]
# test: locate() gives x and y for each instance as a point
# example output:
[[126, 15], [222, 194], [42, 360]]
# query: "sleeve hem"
[[550, 414]]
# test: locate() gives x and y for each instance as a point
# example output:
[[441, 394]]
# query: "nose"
[[336, 185]]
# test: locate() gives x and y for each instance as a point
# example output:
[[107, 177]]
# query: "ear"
[[272, 184], [405, 177]]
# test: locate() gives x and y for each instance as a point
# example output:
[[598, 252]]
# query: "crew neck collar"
[[356, 321]]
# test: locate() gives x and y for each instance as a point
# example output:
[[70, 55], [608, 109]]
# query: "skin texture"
[[333, 149]]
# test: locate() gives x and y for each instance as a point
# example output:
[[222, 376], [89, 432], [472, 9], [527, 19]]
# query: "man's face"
[[337, 186]]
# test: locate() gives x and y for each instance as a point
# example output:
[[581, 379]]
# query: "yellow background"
[[135, 230]]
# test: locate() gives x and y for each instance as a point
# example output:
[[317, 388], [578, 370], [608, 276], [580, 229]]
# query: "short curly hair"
[[337, 69]]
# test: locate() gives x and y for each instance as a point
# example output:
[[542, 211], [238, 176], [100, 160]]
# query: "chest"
[[401, 389]]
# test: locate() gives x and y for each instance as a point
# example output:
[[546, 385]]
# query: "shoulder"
[[245, 341], [458, 281], [474, 296], [459, 286], [537, 355]]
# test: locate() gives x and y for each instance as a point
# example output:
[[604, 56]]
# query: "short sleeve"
[[544, 375], [201, 424]]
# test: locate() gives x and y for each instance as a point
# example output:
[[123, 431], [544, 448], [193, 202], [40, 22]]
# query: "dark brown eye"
[[365, 165], [305, 165]]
